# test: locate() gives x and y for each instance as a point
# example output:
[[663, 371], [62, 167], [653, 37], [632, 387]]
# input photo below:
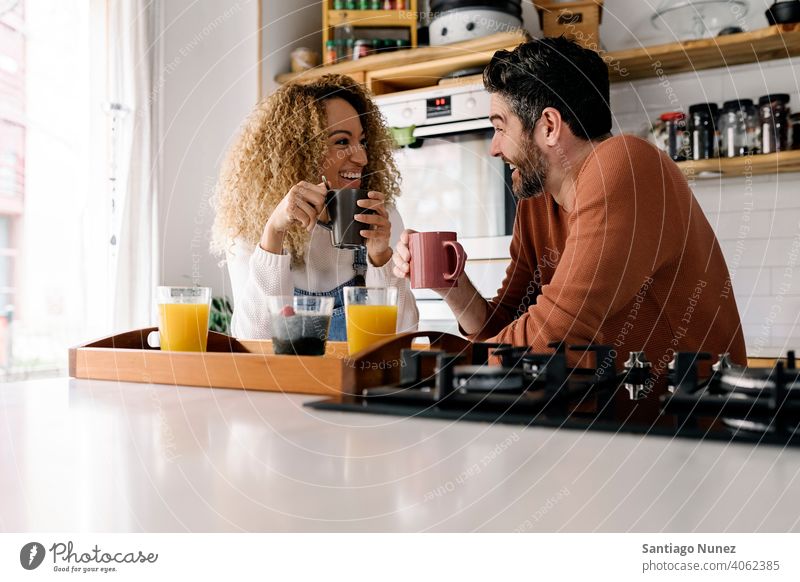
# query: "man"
[[609, 244]]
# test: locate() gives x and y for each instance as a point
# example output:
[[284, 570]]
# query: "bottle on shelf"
[[674, 136], [331, 55], [774, 115], [794, 119], [737, 128], [362, 48], [702, 122], [346, 38]]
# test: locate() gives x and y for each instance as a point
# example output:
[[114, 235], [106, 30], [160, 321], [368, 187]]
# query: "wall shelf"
[[424, 55], [765, 44], [373, 18], [421, 75], [759, 164], [774, 42]]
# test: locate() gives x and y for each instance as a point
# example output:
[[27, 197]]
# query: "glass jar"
[[738, 126], [702, 129], [753, 125], [657, 135], [675, 136], [361, 49], [794, 120], [773, 114]]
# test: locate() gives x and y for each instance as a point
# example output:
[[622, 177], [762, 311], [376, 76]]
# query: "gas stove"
[[693, 400]]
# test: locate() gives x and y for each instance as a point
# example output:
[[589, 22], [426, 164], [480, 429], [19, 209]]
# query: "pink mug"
[[437, 260]]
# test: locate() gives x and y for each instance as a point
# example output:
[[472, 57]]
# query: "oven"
[[451, 182]]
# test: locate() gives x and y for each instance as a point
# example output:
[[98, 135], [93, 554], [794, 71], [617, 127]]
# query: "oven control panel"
[[435, 106], [438, 107]]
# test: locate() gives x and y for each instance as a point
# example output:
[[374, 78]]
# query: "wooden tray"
[[250, 365]]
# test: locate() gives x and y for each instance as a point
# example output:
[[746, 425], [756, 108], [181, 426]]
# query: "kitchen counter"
[[82, 455]]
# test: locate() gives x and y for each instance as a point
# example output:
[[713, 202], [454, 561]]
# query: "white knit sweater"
[[255, 274]]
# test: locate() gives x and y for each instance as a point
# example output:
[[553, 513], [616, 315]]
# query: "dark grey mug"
[[342, 206]]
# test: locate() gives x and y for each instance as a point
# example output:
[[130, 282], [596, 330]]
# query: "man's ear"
[[552, 125]]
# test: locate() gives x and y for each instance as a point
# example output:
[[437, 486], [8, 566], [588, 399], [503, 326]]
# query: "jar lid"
[[737, 104], [673, 116], [711, 108], [779, 97]]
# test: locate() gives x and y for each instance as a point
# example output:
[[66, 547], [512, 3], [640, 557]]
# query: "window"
[[53, 189]]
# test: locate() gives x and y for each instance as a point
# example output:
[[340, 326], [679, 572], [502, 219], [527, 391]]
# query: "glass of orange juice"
[[183, 318], [371, 315]]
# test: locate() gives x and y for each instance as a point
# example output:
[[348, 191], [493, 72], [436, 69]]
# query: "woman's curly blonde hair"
[[283, 141]]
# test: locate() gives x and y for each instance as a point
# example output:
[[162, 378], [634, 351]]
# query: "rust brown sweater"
[[635, 265]]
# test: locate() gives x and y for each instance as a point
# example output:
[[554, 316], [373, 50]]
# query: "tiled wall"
[[757, 219]]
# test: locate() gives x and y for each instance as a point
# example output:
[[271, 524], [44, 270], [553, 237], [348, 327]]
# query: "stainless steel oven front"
[[451, 182]]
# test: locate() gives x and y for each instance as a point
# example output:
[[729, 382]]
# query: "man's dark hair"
[[558, 73]]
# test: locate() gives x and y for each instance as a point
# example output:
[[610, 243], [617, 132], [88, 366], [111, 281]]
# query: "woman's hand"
[[380, 229], [303, 204]]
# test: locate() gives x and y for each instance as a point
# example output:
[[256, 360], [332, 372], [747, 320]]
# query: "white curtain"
[[133, 108]]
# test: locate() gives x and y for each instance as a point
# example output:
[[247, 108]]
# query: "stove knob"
[[671, 375], [637, 360], [407, 112], [723, 363], [471, 103], [638, 368]]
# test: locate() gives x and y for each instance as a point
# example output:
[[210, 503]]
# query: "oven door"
[[450, 182]]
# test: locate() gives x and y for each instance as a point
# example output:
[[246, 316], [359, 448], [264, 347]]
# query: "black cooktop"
[[727, 402]]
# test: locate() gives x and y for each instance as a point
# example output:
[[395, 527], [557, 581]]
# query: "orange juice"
[[183, 327], [367, 324]]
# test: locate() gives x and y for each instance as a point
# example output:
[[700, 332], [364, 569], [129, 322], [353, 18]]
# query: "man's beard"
[[532, 171]]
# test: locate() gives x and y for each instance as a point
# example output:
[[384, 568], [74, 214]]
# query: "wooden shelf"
[[754, 165], [359, 69], [765, 44], [373, 18], [386, 72], [419, 75]]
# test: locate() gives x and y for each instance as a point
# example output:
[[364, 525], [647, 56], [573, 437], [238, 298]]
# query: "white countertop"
[[81, 455]]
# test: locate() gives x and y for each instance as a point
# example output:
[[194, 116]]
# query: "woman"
[[271, 193]]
